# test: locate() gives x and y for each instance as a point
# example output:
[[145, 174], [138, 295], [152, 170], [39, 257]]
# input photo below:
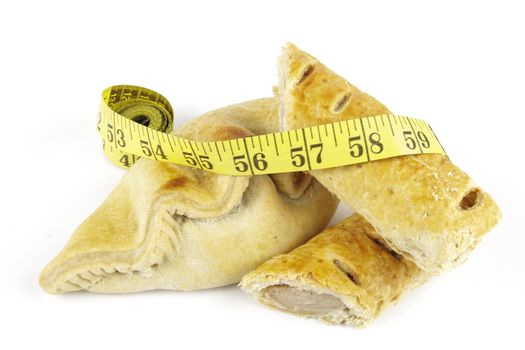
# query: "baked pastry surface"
[[173, 227], [341, 276], [423, 206]]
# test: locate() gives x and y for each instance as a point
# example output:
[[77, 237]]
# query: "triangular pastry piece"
[[341, 276], [422, 206], [173, 227]]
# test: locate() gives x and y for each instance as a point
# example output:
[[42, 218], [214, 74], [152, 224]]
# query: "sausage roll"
[[341, 276], [422, 206]]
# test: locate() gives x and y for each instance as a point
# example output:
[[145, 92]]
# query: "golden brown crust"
[[344, 262], [172, 227], [424, 206]]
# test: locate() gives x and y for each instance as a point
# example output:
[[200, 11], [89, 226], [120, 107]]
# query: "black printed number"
[[205, 162], [375, 143], [146, 148], [160, 152], [319, 146], [124, 160], [110, 133], [120, 138], [259, 161], [189, 158], [424, 139], [356, 148], [298, 159], [99, 120], [410, 141], [240, 163]]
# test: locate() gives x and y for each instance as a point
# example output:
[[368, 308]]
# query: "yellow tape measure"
[[135, 122]]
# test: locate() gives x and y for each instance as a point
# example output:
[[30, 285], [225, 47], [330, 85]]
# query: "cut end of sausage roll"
[[422, 206], [341, 276], [173, 227]]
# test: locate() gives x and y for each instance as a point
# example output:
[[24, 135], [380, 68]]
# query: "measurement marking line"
[[248, 156], [415, 136], [149, 139], [390, 123], [219, 153], [177, 142], [260, 143], [195, 155], [437, 139], [364, 138], [169, 141], [335, 137], [114, 128], [307, 153]]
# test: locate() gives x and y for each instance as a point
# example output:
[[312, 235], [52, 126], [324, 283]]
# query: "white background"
[[458, 65]]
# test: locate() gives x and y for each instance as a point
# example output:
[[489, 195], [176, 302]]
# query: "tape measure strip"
[[135, 122]]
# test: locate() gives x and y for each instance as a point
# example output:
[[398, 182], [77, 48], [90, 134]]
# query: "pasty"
[[173, 227]]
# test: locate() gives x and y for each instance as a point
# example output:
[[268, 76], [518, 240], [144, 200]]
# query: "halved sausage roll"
[[341, 276]]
